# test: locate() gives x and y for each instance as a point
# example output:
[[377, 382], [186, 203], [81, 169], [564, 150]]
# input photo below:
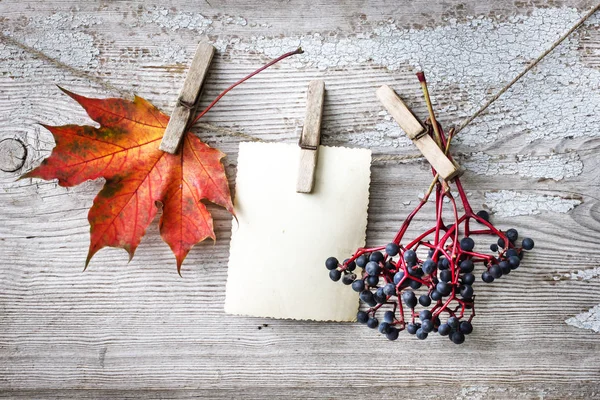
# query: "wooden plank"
[[131, 330], [413, 128], [187, 103], [310, 139]]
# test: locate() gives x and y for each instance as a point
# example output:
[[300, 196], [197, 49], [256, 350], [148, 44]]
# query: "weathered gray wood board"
[[135, 330]]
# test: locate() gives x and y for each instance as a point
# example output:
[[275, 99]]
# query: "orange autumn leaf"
[[124, 151]]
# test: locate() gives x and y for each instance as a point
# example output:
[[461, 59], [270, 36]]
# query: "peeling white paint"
[[586, 274], [507, 203], [583, 275], [478, 392], [465, 61], [552, 166], [587, 320], [175, 21], [473, 392], [61, 36], [560, 98], [384, 134]]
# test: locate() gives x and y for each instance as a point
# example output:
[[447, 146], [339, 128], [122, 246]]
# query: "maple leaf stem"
[[224, 92]]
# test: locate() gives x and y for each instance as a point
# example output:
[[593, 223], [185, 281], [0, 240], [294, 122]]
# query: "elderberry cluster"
[[432, 294]]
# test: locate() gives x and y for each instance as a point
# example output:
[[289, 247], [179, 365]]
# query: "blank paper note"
[[281, 239]]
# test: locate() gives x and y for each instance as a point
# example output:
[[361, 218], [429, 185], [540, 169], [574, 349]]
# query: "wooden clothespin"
[[415, 130], [310, 139], [187, 103]]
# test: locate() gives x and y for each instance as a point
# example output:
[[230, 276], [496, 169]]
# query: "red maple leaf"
[[124, 151]]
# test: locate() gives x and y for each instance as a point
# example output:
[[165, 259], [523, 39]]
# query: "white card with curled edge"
[[282, 238]]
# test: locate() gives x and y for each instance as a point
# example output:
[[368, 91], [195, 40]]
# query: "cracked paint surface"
[[508, 203], [476, 57], [550, 166], [582, 275], [61, 35], [587, 320]]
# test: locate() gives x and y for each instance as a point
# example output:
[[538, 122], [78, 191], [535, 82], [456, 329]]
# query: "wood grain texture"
[[131, 330]]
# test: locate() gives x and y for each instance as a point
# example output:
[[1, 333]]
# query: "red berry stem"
[[244, 79]]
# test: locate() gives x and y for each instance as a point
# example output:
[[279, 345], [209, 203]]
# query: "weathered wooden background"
[[139, 330]]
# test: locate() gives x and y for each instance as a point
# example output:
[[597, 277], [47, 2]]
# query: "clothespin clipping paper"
[[286, 229]]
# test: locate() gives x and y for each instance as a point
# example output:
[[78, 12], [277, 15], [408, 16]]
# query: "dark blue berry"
[[331, 263], [372, 323], [379, 296], [468, 279], [457, 337], [512, 235], [415, 284], [358, 285], [428, 266], [392, 334], [412, 328], [398, 277], [514, 262], [389, 289], [427, 325], [350, 266], [410, 256], [527, 244], [466, 327], [409, 299], [435, 295], [335, 275], [494, 247], [376, 256], [444, 329], [495, 271], [425, 314], [372, 268], [372, 280], [418, 272], [484, 215], [444, 288], [424, 300], [446, 275], [347, 279], [487, 277], [392, 249], [505, 267], [443, 263], [362, 261], [466, 292], [366, 296], [466, 266], [511, 252], [421, 334], [362, 317], [384, 327], [453, 322], [501, 243], [388, 317], [467, 244]]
